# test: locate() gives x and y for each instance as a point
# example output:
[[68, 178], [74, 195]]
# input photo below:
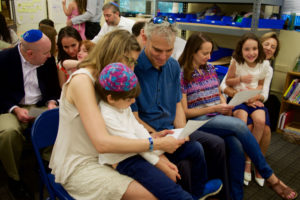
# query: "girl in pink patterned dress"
[[75, 8]]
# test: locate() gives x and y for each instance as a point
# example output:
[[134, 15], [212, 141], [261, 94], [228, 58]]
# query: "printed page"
[[191, 126], [242, 97]]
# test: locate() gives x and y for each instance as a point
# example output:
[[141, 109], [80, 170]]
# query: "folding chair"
[[43, 134]]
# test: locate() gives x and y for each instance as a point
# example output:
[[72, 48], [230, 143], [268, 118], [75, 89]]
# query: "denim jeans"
[[225, 126], [158, 183]]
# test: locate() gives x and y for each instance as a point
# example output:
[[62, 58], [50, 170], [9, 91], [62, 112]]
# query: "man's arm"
[[180, 119]]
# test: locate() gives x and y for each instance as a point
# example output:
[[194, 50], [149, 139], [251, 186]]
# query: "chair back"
[[43, 134]]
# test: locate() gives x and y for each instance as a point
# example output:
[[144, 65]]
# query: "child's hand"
[[167, 144], [165, 167], [246, 79], [63, 2]]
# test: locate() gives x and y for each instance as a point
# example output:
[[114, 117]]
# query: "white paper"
[[243, 96], [34, 111], [191, 126]]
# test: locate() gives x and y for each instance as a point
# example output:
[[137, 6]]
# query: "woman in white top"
[[7, 35], [82, 134]]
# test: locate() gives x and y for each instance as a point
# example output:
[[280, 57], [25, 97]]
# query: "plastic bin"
[[220, 53], [263, 23]]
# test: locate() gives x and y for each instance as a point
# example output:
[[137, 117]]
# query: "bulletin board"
[[56, 12], [30, 11]]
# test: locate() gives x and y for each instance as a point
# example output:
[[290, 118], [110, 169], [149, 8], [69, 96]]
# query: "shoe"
[[211, 188], [259, 181], [19, 190], [246, 183], [283, 191], [247, 175]]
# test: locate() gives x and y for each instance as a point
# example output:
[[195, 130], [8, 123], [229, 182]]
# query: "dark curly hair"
[[238, 54]]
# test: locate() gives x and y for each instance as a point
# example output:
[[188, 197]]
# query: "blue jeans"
[[225, 126], [158, 183]]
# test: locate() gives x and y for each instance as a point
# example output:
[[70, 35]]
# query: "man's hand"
[[69, 23], [51, 104], [161, 133], [22, 115]]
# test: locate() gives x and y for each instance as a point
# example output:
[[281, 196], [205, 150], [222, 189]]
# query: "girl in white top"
[[247, 71]]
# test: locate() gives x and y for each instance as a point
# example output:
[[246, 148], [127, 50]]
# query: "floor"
[[283, 157]]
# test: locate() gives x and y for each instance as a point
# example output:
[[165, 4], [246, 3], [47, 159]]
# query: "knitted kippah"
[[32, 35], [117, 77], [115, 4]]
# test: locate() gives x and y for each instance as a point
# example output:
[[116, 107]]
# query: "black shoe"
[[19, 190]]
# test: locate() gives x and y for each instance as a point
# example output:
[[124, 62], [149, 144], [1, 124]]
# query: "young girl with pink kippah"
[[118, 87]]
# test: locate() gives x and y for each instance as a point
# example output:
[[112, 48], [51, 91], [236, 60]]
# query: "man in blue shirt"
[[158, 106]]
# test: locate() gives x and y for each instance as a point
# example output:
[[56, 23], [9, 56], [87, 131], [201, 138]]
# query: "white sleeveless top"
[[74, 159]]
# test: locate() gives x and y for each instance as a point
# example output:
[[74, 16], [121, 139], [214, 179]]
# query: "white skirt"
[[94, 181]]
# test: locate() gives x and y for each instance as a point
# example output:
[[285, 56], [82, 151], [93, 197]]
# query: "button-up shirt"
[[160, 92]]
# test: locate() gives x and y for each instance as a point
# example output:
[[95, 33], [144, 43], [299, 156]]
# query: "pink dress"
[[79, 27]]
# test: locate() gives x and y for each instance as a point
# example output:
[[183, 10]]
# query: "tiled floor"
[[283, 157]]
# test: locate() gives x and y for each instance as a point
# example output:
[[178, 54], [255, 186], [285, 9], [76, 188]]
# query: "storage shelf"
[[266, 2], [227, 30]]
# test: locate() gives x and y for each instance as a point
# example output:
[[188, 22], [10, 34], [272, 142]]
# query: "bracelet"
[[150, 143]]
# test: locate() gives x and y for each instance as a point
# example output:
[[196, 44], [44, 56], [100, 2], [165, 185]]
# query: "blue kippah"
[[32, 35]]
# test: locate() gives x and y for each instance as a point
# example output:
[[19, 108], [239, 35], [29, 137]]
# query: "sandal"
[[283, 191]]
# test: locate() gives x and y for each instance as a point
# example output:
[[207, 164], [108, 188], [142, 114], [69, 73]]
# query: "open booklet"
[[242, 97], [190, 127]]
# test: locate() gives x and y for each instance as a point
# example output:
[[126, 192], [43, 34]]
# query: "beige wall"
[[286, 59]]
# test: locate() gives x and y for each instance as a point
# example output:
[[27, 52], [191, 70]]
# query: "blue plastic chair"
[[43, 134]]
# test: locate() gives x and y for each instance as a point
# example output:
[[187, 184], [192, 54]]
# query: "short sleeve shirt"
[[160, 92], [203, 89]]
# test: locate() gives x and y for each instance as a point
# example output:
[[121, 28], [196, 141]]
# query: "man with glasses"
[[113, 20], [158, 106]]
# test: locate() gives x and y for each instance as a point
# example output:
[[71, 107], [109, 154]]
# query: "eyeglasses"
[[131, 61], [161, 19]]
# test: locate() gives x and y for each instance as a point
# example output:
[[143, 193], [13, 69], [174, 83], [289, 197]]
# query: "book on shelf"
[[293, 127], [293, 96], [280, 120], [286, 118], [290, 89]]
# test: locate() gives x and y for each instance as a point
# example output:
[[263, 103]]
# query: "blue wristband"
[[150, 143]]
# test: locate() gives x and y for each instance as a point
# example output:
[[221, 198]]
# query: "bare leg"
[[264, 144], [259, 120], [136, 191]]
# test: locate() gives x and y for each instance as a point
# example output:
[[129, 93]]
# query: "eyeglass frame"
[[131, 60]]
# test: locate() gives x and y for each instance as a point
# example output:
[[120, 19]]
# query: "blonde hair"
[[111, 48], [269, 35]]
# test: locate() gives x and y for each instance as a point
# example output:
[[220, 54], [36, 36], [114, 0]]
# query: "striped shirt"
[[203, 89]]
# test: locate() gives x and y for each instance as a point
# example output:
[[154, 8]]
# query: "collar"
[[23, 60]]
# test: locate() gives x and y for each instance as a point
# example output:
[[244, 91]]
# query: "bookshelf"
[[286, 105]]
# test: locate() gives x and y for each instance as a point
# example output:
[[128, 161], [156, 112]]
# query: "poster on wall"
[[30, 11], [56, 12]]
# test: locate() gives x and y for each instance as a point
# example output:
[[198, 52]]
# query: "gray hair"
[[165, 29]]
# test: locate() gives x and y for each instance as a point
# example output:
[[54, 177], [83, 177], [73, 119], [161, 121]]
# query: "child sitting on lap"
[[118, 87]]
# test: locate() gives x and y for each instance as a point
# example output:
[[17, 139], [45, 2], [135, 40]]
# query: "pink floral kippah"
[[117, 77]]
